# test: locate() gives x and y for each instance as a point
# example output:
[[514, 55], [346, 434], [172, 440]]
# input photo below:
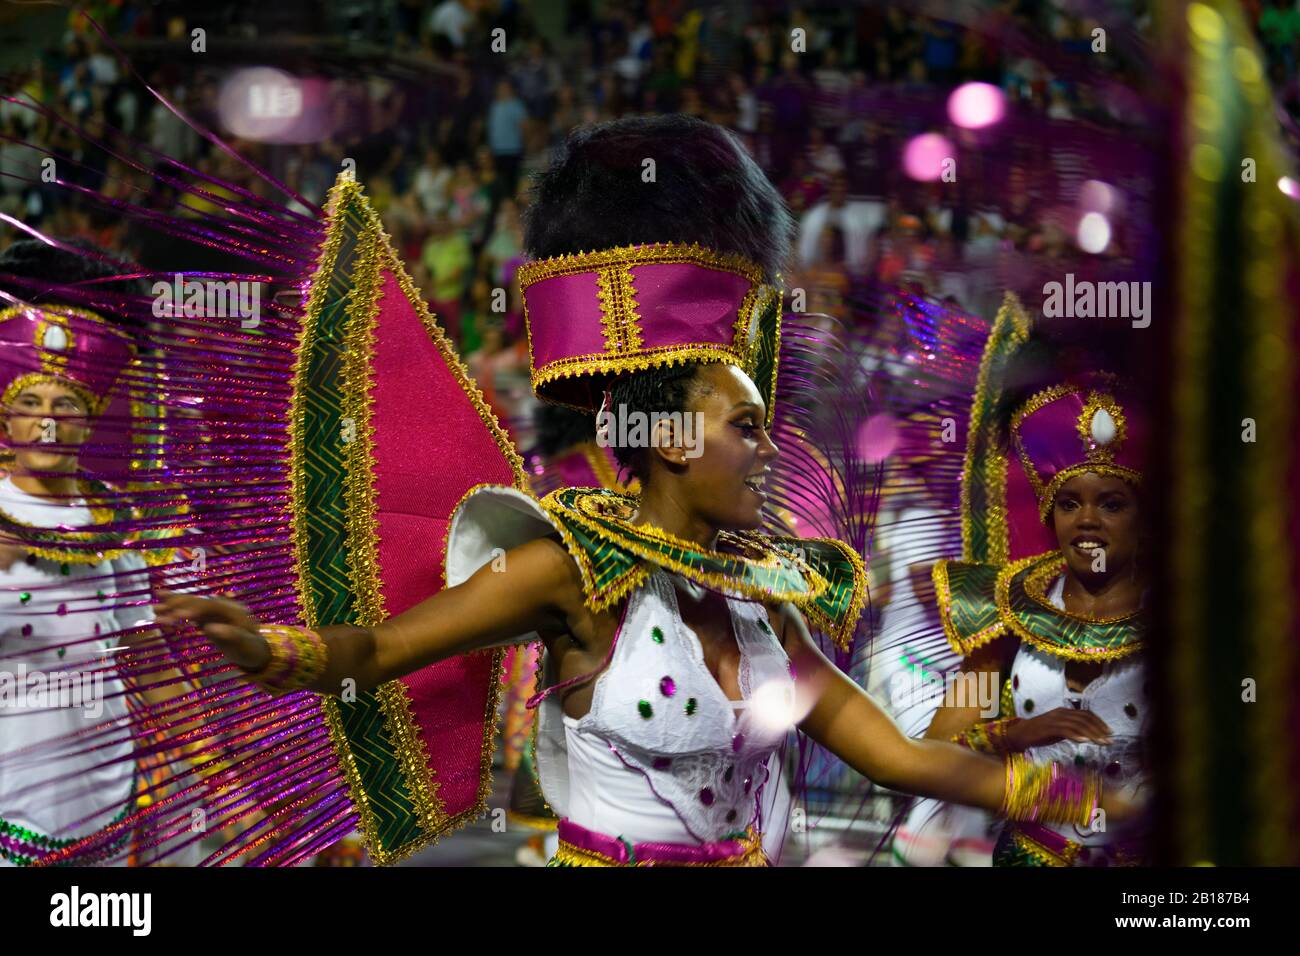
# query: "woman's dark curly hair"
[[706, 190], [666, 389], [44, 274], [559, 427]]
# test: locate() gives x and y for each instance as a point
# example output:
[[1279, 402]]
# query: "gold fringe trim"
[[985, 431], [960, 643], [623, 257], [1042, 854], [342, 190], [1002, 595], [1047, 499]]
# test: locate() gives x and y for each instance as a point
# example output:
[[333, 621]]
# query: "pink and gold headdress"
[[1067, 430], [594, 315], [73, 347]]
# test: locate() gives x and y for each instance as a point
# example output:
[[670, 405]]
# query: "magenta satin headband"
[[629, 308]]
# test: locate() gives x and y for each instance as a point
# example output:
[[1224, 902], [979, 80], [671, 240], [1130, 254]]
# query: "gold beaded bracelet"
[[1047, 793], [989, 737], [298, 657]]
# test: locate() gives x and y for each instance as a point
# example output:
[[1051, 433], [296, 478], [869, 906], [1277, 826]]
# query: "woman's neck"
[[667, 514], [57, 487], [1114, 595]]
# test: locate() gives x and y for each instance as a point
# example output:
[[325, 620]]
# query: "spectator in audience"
[[566, 115], [447, 256], [856, 218], [664, 86], [505, 133], [801, 189], [824, 159], [826, 282], [505, 243], [451, 21], [537, 78], [789, 97], [432, 183], [469, 202]]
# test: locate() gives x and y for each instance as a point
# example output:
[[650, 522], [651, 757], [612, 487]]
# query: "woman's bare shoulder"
[[548, 560]]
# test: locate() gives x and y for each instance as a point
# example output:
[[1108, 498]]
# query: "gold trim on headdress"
[[1099, 455], [1103, 468], [94, 404], [54, 357], [623, 257], [621, 322]]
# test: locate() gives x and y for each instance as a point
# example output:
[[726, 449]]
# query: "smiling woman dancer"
[[1065, 624], [678, 650]]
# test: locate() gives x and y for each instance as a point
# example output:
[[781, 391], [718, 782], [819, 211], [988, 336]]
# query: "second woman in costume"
[[1058, 624]]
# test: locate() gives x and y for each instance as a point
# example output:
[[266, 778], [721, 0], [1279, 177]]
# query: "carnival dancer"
[[1054, 613], [678, 649], [74, 599]]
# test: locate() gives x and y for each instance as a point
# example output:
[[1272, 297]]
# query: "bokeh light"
[[1096, 196], [924, 155], [877, 438], [1094, 232], [976, 105]]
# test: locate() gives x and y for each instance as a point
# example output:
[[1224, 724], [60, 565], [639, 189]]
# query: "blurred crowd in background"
[[447, 134]]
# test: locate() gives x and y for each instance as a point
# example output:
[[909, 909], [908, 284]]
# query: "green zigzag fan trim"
[[321, 537]]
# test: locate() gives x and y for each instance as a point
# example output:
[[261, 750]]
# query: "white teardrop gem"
[[55, 338], [1103, 427]]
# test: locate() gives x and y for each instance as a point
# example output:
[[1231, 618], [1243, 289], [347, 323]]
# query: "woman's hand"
[[229, 625], [1063, 723]]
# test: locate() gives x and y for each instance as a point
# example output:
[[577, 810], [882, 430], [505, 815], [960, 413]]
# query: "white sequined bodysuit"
[[1117, 696], [663, 755], [49, 637]]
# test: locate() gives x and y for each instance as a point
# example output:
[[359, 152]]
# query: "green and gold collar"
[[823, 577], [964, 593], [981, 602], [73, 546], [1023, 605]]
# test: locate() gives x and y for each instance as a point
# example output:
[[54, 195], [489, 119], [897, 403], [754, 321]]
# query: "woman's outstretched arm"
[[843, 718], [530, 588]]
